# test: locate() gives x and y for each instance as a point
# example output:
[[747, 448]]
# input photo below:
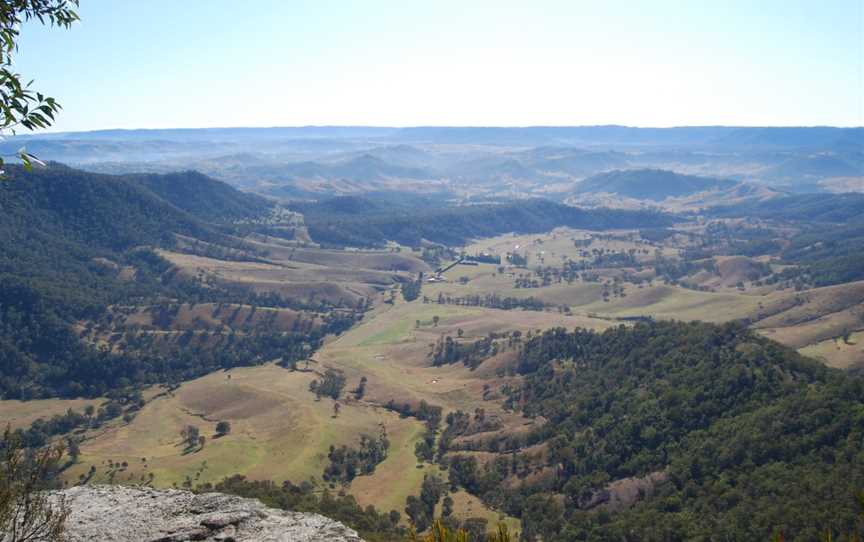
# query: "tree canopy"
[[21, 105]]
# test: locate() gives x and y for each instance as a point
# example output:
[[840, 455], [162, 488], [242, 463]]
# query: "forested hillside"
[[75, 243], [721, 431], [650, 184], [370, 224], [836, 208], [204, 197], [103, 211], [66, 231]]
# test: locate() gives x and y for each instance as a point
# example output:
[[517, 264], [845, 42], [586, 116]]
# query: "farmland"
[[282, 431]]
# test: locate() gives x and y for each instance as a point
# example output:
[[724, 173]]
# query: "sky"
[[218, 63]]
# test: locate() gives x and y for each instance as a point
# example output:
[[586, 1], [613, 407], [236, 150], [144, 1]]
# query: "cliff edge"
[[127, 514]]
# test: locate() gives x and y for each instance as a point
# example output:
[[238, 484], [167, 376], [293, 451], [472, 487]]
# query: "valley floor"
[[281, 431]]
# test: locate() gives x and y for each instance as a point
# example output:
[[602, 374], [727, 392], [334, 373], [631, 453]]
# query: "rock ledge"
[[127, 514]]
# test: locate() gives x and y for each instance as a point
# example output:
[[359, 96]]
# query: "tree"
[[330, 385], [190, 435], [21, 106], [542, 517], [447, 506], [223, 428], [361, 389], [416, 512], [289, 362], [73, 449], [26, 512], [411, 289]]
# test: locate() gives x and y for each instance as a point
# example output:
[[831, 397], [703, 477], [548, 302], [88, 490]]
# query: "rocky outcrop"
[[126, 514]]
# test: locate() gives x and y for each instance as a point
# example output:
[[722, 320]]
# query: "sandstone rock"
[[126, 514]]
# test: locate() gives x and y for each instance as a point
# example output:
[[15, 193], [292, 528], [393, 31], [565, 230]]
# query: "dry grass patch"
[[279, 431], [21, 414], [837, 352]]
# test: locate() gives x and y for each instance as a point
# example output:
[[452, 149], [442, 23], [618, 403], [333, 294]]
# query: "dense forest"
[[826, 255], [222, 204], [828, 248], [825, 208], [57, 223], [733, 433], [351, 221]]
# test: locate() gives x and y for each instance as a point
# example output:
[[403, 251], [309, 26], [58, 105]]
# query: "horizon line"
[[442, 126]]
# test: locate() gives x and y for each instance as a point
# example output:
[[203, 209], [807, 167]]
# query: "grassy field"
[[838, 353], [658, 300], [299, 280], [550, 248], [395, 478], [809, 320], [279, 431], [390, 351], [672, 302], [20, 414], [812, 317], [381, 260]]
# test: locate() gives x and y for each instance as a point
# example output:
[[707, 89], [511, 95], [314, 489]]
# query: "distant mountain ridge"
[[650, 184], [731, 136], [470, 162], [365, 167]]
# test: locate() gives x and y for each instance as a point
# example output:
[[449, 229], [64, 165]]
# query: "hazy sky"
[[197, 63]]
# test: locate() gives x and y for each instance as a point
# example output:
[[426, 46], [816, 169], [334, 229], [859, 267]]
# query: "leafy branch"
[[20, 105]]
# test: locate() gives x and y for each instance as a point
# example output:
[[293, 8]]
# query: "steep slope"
[[204, 197], [74, 243], [707, 421], [104, 211], [64, 233]]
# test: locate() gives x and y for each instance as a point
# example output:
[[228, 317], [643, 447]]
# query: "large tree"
[[20, 105]]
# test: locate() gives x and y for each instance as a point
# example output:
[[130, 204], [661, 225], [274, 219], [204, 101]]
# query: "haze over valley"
[[389, 329]]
